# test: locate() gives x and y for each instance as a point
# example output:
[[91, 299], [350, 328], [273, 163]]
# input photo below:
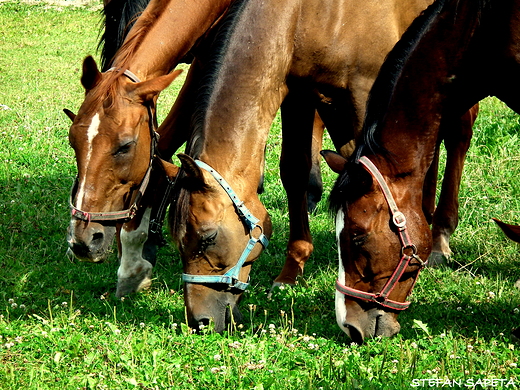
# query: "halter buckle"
[[399, 219]]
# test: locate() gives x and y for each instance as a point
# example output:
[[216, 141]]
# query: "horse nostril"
[[80, 249], [97, 239]]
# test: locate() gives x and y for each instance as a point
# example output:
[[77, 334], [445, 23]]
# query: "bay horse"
[[453, 55], [302, 56]]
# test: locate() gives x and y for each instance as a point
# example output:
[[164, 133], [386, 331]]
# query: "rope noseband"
[[399, 221]]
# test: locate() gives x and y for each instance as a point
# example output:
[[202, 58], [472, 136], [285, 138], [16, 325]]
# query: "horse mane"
[[121, 59], [140, 29], [216, 50], [353, 182], [118, 18]]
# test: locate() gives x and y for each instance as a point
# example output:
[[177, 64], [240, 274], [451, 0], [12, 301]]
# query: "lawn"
[[62, 328]]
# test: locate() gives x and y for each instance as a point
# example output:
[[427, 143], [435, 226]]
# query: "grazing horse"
[[302, 55], [115, 140], [455, 54]]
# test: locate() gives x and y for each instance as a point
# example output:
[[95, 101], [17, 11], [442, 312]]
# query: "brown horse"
[[303, 56], [454, 55], [137, 246], [115, 141]]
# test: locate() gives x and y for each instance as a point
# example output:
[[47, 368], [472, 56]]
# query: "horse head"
[[113, 137], [218, 238], [379, 259]]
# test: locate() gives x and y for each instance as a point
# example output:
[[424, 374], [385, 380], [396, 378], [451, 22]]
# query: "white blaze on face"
[[341, 310], [92, 131]]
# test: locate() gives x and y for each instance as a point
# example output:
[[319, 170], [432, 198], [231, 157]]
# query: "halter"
[[399, 221], [231, 276], [128, 214]]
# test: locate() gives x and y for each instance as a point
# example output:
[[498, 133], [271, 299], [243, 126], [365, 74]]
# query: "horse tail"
[[118, 18]]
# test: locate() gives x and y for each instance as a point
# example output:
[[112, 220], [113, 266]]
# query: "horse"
[[116, 140], [142, 236], [452, 56], [301, 56]]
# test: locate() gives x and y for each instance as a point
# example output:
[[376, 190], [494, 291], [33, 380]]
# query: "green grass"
[[62, 328]]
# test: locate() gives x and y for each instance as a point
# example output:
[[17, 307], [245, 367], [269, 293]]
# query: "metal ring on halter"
[[410, 246]]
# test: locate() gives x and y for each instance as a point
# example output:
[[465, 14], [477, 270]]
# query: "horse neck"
[[246, 85], [164, 33], [423, 94]]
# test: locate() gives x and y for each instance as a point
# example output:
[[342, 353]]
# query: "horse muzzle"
[[368, 322], [206, 305], [90, 242]]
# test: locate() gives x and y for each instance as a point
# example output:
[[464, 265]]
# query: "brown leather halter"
[[399, 221], [128, 214]]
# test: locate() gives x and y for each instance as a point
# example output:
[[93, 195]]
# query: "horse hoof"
[[437, 259]]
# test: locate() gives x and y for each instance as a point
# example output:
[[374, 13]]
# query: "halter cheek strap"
[[399, 222], [231, 277]]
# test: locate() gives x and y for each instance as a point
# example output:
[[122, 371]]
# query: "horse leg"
[[295, 166], [315, 188], [430, 187], [446, 216], [135, 272]]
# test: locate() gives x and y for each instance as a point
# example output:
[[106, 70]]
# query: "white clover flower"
[[217, 357], [142, 325], [491, 294], [214, 370], [516, 310], [271, 326]]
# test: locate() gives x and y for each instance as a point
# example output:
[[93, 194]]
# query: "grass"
[[62, 328]]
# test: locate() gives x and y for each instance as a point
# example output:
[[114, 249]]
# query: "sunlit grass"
[[62, 328]]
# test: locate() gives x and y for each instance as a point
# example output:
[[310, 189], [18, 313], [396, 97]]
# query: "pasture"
[[62, 328]]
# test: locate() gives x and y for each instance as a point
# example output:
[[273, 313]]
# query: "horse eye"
[[124, 149], [207, 240], [359, 239]]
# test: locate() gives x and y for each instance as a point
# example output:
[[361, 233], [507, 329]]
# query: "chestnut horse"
[[115, 141], [91, 233], [454, 55], [302, 55]]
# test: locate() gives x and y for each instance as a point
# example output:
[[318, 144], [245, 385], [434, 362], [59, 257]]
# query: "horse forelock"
[[352, 183], [103, 94]]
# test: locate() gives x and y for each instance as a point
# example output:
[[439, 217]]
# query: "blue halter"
[[231, 276]]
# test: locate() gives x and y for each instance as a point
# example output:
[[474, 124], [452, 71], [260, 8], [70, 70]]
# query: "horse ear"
[[511, 231], [70, 114], [335, 161], [148, 89], [191, 168], [91, 75], [170, 169]]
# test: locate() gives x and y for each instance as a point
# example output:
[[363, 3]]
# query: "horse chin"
[[205, 306], [361, 323], [91, 243]]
